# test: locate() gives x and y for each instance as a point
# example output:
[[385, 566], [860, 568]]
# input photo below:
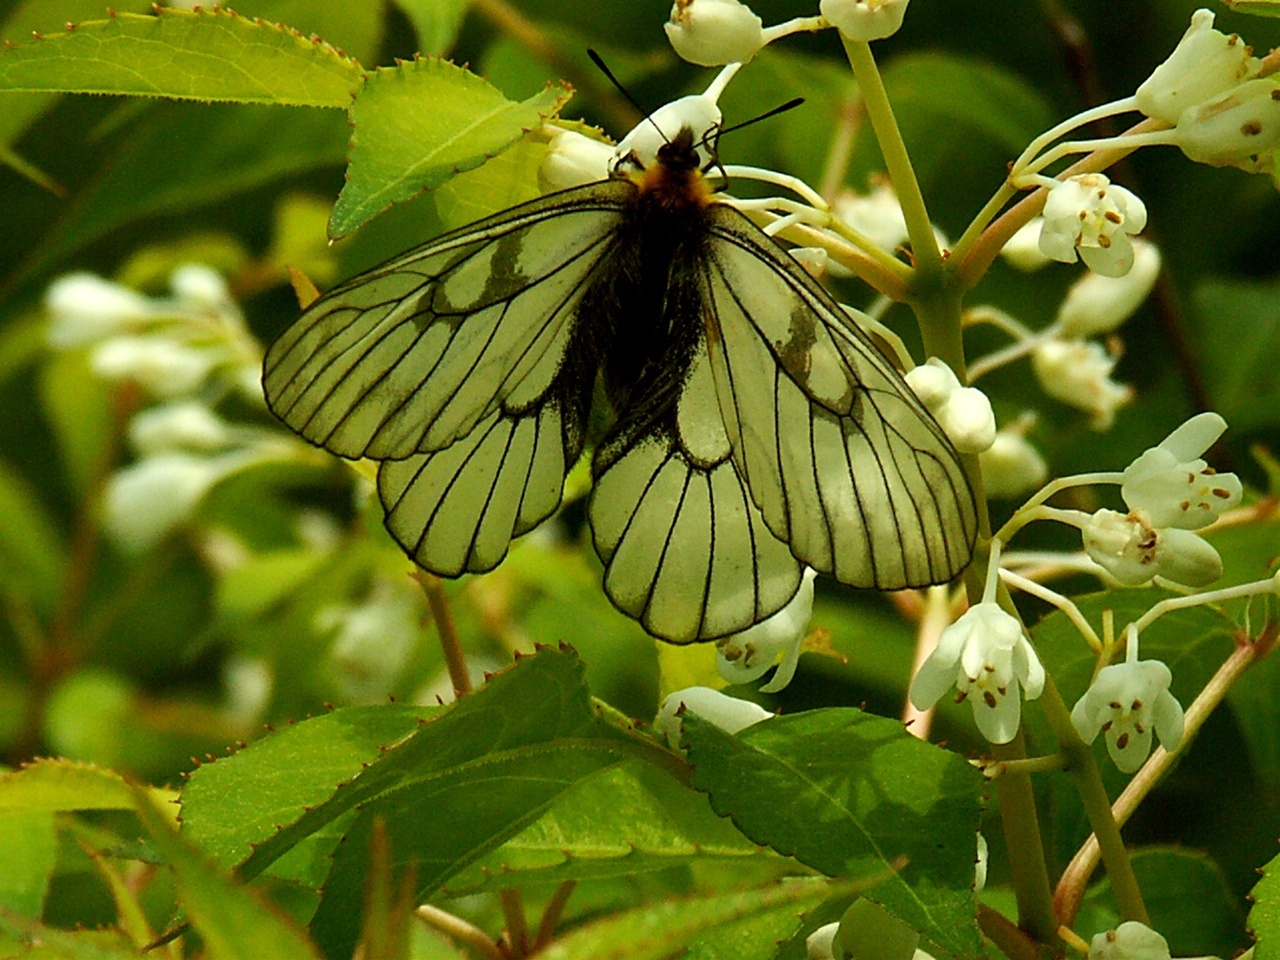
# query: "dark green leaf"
[[856, 796], [1264, 918]]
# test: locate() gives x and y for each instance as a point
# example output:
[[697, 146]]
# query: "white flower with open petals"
[[1128, 701], [728, 713], [1090, 217], [988, 659], [744, 657], [1173, 486], [1129, 548]]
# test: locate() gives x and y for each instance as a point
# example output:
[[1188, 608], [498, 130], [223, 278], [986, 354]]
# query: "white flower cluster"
[[1170, 492], [185, 351]]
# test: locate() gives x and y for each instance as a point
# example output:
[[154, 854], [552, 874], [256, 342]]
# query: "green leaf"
[[78, 407], [31, 550], [469, 779], [436, 22], [56, 786], [1264, 918], [231, 919], [189, 55], [1210, 923], [419, 123], [854, 795], [734, 926], [231, 806], [624, 820], [30, 846]]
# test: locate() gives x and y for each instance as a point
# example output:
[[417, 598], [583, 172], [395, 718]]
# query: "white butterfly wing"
[[686, 551], [843, 460], [415, 354]]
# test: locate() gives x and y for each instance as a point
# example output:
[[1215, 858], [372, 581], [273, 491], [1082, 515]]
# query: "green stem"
[[897, 162], [1083, 769], [1024, 845]]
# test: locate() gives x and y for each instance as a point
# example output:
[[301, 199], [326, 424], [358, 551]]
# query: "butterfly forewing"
[[411, 356]]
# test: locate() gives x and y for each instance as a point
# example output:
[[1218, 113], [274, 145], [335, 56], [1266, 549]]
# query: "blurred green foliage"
[[280, 595]]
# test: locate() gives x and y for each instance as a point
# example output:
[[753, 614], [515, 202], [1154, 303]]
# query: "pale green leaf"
[[419, 123], [55, 785], [31, 549], [30, 844], [1259, 8], [200, 55]]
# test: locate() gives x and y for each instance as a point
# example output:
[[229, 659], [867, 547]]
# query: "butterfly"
[[752, 428]]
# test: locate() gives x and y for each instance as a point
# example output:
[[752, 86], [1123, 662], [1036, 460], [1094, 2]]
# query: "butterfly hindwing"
[[413, 355], [843, 460], [686, 551]]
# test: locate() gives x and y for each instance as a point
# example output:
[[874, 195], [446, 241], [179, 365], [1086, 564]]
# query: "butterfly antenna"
[[604, 68], [783, 108]]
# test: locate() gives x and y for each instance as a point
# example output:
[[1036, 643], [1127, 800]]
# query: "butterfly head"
[[681, 135]]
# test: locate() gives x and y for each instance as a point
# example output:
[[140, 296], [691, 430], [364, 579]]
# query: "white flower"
[[1133, 551], [1011, 466], [1241, 128], [161, 365], [728, 713], [1204, 64], [980, 865], [188, 426], [712, 33], [147, 500], [1096, 304], [964, 413], [865, 20], [1023, 249], [84, 308], [1078, 372], [1090, 216], [985, 655], [1173, 487], [1127, 701], [744, 657], [572, 160]]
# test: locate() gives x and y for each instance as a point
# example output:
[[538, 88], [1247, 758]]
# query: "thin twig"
[[517, 925], [460, 930], [551, 915], [433, 589]]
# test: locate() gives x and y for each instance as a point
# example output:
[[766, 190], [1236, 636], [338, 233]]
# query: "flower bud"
[[572, 160], [712, 33], [968, 420], [1204, 64], [84, 308], [1240, 129], [178, 426], [1022, 251], [1078, 373], [197, 285], [865, 20], [147, 500], [933, 382], [1012, 467], [1096, 304], [728, 713]]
